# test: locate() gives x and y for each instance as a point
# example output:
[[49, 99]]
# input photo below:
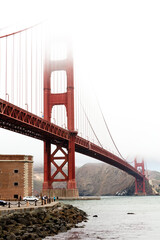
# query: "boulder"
[[40, 223]]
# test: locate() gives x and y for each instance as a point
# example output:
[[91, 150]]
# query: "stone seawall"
[[37, 223]]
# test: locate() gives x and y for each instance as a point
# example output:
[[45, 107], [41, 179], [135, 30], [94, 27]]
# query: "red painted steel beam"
[[58, 99], [19, 120], [87, 148]]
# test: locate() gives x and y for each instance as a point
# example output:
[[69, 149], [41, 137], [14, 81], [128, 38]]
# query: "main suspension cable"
[[89, 120], [109, 130], [22, 30]]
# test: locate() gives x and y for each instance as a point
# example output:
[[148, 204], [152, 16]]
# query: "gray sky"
[[117, 51]]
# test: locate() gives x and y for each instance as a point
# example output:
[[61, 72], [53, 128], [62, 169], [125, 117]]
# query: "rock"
[[63, 229], [40, 223], [11, 237], [69, 226], [95, 215], [79, 218], [29, 236]]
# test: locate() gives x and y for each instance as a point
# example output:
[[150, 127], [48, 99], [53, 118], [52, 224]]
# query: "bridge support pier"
[[140, 183], [47, 166], [71, 183], [50, 161]]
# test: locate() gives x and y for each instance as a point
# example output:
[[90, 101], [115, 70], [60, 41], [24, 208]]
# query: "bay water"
[[118, 217]]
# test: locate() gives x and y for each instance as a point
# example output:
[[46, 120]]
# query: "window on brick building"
[[15, 183], [16, 171], [16, 196]]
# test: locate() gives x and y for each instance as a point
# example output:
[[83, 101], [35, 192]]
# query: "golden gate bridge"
[[40, 98]]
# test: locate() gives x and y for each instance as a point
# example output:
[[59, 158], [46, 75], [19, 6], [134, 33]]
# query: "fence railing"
[[29, 203]]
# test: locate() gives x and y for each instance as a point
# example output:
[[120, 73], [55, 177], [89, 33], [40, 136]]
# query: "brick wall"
[[15, 176]]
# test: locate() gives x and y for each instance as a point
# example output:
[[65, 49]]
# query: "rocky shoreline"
[[40, 222]]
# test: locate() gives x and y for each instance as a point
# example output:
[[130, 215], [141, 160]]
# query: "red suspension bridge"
[[38, 99]]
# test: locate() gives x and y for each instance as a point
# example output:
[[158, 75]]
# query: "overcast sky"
[[117, 51]]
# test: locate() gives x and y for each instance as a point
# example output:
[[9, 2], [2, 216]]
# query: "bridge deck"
[[21, 121]]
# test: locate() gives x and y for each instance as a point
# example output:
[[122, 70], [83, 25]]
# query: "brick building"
[[16, 176]]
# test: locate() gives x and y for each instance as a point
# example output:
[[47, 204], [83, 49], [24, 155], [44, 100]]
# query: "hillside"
[[101, 179], [96, 179], [154, 180]]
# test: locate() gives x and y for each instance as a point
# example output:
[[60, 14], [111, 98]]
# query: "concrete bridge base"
[[61, 192], [140, 194]]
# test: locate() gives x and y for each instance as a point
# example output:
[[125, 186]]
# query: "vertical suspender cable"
[[26, 73], [17, 72], [60, 107], [62, 90], [78, 113], [41, 78], [39, 75], [0, 68], [31, 70], [36, 76], [77, 105], [6, 73], [39, 83], [86, 121], [20, 70], [13, 70]]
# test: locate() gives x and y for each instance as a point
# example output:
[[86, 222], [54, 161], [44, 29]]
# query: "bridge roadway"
[[21, 121]]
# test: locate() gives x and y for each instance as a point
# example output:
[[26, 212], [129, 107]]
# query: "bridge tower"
[[50, 100], [140, 183]]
